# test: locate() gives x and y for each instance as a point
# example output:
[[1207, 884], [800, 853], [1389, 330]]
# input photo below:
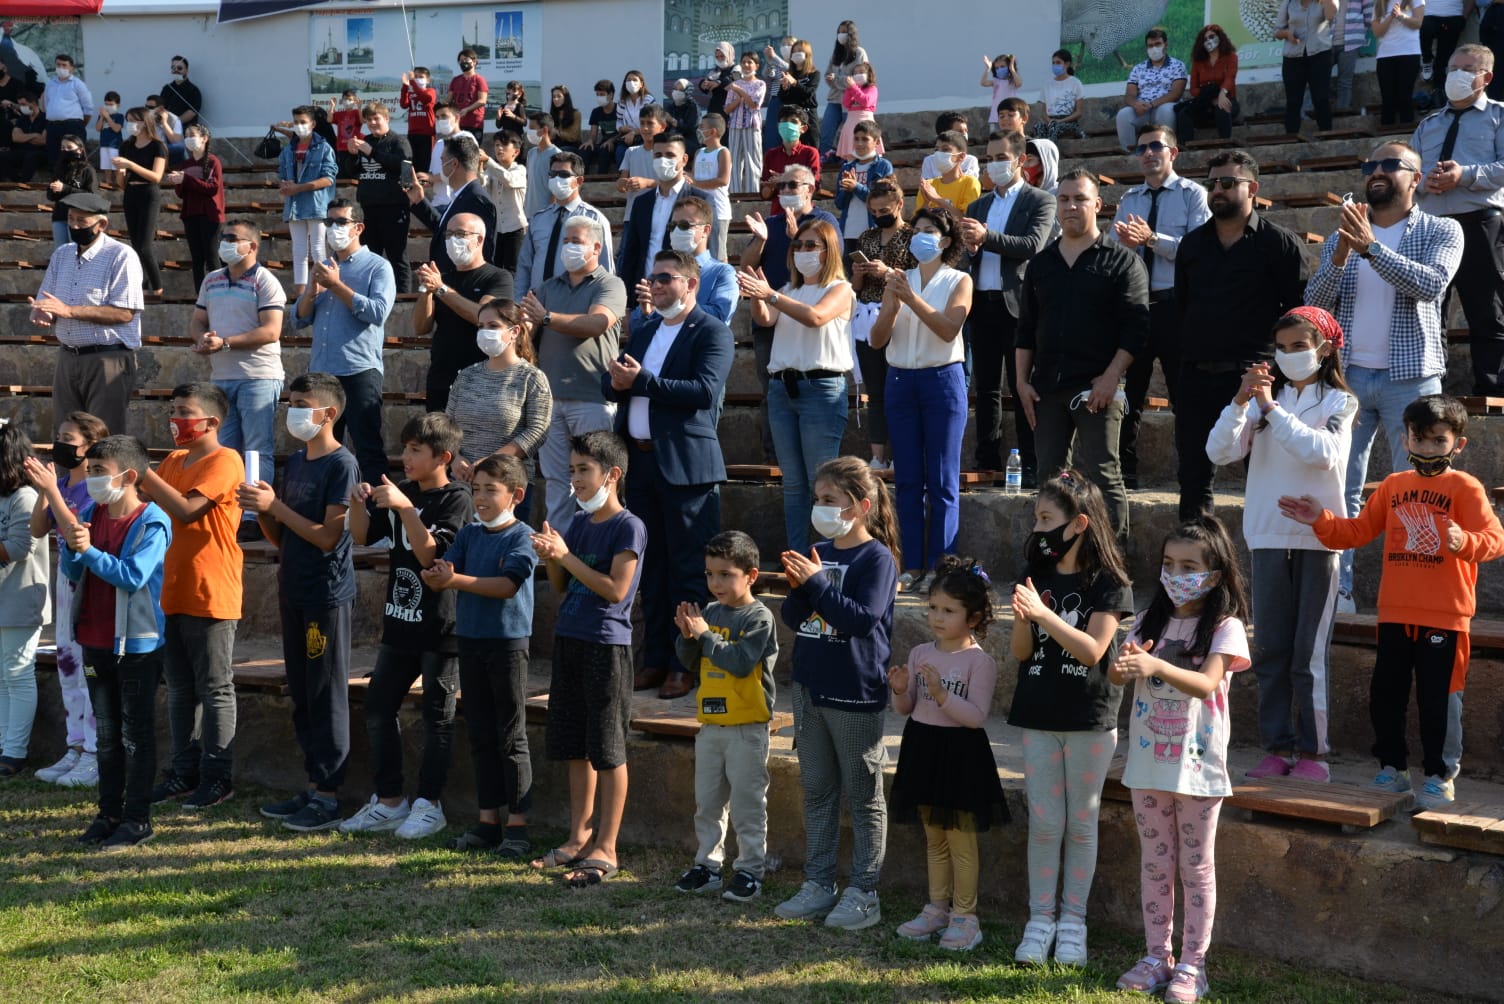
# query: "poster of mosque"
[[693, 28]]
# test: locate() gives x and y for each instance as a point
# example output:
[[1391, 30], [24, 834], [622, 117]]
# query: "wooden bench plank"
[[1362, 629], [681, 723], [1469, 826]]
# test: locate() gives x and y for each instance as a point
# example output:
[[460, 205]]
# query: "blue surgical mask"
[[1057, 69], [925, 247]]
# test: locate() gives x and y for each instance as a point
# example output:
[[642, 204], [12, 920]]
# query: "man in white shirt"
[[68, 106]]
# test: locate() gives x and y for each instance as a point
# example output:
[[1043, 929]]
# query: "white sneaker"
[[880, 465], [1436, 793], [85, 773], [1391, 779], [1345, 602], [52, 774], [425, 819], [1034, 949], [376, 818], [856, 910], [1070, 943]]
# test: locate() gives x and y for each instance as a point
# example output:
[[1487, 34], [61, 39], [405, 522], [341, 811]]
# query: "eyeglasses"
[[336, 223], [1154, 146], [1388, 166], [663, 278], [1226, 184], [686, 224], [808, 245], [790, 186], [561, 174], [461, 233]]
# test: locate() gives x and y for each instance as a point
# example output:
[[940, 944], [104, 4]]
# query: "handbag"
[[270, 147]]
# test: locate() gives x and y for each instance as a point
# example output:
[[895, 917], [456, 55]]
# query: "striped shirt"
[[234, 306], [1351, 29], [497, 407], [107, 274]]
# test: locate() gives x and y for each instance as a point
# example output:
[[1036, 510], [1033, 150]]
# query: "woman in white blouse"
[[920, 324], [811, 355]]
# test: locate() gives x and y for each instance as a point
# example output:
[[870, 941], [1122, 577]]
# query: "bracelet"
[[1272, 406]]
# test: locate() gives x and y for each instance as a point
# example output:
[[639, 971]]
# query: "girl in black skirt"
[[947, 778]]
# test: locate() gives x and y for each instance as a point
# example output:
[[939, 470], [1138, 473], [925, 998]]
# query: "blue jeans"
[[252, 422], [807, 431], [926, 419], [60, 233], [771, 109], [1381, 401], [830, 125]]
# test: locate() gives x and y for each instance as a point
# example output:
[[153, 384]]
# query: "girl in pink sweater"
[[947, 778], [860, 101]]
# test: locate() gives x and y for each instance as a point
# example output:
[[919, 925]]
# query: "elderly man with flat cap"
[[91, 298]]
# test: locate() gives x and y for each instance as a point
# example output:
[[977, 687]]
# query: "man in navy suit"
[[646, 233], [460, 163], [668, 384]]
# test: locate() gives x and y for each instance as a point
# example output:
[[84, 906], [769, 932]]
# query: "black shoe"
[[249, 532], [98, 832], [173, 785], [318, 814], [698, 879], [128, 835], [286, 807], [744, 888], [211, 792]]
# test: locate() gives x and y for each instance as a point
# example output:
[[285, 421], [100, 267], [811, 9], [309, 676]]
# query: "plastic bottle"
[[1013, 477]]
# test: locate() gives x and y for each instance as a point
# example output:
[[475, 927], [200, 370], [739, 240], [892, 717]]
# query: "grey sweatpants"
[[731, 780], [1294, 604], [841, 751]]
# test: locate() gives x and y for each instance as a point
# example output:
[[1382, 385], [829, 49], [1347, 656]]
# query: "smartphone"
[[406, 177], [860, 258]]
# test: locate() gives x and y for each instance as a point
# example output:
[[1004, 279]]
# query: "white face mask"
[[229, 252], [532, 136], [1211, 43], [459, 250], [63, 73], [722, 62], [940, 162], [102, 491], [672, 311], [1156, 52], [842, 37], [339, 238], [420, 81], [603, 99], [797, 58], [302, 129], [493, 341], [682, 240], [194, 145], [1001, 172], [177, 78], [807, 262], [300, 423], [443, 127], [1459, 86], [792, 201], [496, 522], [1297, 365], [111, 108], [595, 501], [678, 96], [130, 129], [860, 79], [561, 188], [633, 86], [827, 521], [575, 256], [666, 168]]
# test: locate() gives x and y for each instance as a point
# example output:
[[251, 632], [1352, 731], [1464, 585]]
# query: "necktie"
[[1153, 218], [553, 244], [1451, 138]]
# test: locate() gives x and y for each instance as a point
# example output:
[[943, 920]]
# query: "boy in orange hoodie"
[[1437, 525]]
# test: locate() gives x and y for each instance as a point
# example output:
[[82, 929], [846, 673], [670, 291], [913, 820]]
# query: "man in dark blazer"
[[461, 166], [1003, 230], [668, 385], [647, 232]]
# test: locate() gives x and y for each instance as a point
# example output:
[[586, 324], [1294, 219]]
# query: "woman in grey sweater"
[[25, 604]]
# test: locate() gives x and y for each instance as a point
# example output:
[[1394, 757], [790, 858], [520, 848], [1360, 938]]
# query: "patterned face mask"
[[1187, 588]]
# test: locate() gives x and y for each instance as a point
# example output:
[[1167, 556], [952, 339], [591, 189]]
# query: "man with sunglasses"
[[1234, 276], [543, 245], [689, 231], [668, 384], [1384, 276], [1151, 220], [647, 228]]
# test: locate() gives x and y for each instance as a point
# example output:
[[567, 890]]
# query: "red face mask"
[[183, 431], [1033, 174]]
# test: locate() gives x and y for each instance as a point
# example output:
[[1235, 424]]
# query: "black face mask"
[[1047, 545], [66, 456], [884, 222], [82, 236], [1430, 467], [467, 66]]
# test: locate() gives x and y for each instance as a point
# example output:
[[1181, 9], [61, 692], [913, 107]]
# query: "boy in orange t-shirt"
[[201, 593], [1437, 525]]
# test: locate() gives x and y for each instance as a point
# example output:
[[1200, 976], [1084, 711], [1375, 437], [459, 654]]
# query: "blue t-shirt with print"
[[488, 554], [583, 614]]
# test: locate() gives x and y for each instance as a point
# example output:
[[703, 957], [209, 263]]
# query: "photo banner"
[[693, 28]]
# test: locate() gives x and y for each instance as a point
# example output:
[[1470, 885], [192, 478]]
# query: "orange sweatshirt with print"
[[1423, 583]]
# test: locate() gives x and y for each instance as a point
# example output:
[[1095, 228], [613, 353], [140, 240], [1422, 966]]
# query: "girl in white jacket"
[[1294, 423]]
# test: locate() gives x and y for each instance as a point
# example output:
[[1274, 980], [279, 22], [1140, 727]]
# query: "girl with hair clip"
[[1180, 657], [947, 777], [1294, 425], [1066, 613], [840, 605]]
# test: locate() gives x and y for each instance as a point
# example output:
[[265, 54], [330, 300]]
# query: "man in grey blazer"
[[1003, 230]]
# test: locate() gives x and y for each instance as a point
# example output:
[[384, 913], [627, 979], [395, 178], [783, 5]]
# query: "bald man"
[[448, 299]]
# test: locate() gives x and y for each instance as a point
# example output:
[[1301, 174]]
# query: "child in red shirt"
[[346, 121], [419, 99]]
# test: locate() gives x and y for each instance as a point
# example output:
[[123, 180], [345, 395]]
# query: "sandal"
[[591, 871], [512, 848], [1149, 975], [556, 858], [1187, 985]]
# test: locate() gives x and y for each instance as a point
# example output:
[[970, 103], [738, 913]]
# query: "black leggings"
[[1313, 71], [1396, 88], [142, 203], [203, 246]]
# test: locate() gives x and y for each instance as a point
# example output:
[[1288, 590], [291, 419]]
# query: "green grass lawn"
[[224, 906]]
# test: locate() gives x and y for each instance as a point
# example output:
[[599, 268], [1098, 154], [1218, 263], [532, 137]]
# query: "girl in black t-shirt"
[[139, 168], [1065, 622]]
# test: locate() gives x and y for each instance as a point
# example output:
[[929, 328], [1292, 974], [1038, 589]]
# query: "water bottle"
[[1013, 478]]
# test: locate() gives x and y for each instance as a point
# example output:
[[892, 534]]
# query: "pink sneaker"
[[1187, 984], [931, 920], [1311, 770], [1271, 766]]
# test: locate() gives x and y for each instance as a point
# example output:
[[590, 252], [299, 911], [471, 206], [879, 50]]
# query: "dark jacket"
[[1030, 223], [635, 238], [472, 199]]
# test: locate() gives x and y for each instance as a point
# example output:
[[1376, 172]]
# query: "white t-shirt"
[[708, 168], [652, 362], [1176, 742], [1400, 39], [1373, 306], [1060, 96], [1443, 8], [507, 187]]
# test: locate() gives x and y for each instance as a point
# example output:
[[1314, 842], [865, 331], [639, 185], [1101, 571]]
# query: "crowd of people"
[[609, 368]]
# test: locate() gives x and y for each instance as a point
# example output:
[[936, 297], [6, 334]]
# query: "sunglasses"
[[1388, 166], [790, 186], [663, 278], [1226, 184], [337, 223], [684, 225], [561, 174], [808, 245], [1152, 147]]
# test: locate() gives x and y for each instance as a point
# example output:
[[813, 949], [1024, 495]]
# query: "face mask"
[[229, 252], [66, 456], [532, 136], [186, 430], [924, 247], [722, 62], [884, 221], [1002, 171], [420, 82], [842, 37], [1187, 588], [595, 501], [860, 79], [1211, 43], [466, 66], [1156, 52], [102, 492], [496, 522], [339, 238], [63, 73], [1048, 545], [302, 129], [941, 162], [666, 168], [1459, 85], [682, 240], [493, 341], [350, 102], [1000, 72], [672, 311], [70, 154], [791, 201], [194, 145], [633, 86], [1033, 174], [128, 130], [827, 521], [603, 99], [443, 127], [1428, 467], [1057, 69], [789, 131], [111, 108], [797, 59], [575, 256], [300, 423], [785, 50], [177, 78], [678, 96], [82, 236], [1297, 365], [459, 250], [807, 262], [561, 188]]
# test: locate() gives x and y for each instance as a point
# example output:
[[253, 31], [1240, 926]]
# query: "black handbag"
[[270, 147]]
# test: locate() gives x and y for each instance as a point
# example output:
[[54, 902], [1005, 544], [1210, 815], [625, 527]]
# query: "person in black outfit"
[[180, 96], [1235, 275], [379, 190], [460, 166], [73, 175], [139, 167], [28, 139]]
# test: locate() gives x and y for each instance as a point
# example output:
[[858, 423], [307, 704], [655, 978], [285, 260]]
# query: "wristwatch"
[[439, 293], [773, 298], [1367, 253], [548, 320], [1152, 242]]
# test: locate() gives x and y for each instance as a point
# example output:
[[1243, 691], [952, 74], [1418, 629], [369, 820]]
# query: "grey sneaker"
[[1391, 779], [856, 910], [318, 814], [811, 901], [1436, 793]]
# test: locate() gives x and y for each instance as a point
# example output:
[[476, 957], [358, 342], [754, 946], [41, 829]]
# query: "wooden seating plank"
[[1471, 826]]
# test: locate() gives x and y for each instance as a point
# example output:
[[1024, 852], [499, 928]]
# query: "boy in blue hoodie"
[[114, 550]]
